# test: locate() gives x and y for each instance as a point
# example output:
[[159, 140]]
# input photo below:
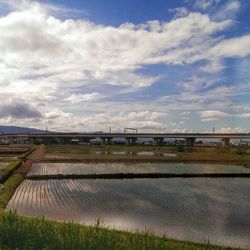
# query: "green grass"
[[26, 154], [9, 188], [8, 170], [10, 182], [18, 232]]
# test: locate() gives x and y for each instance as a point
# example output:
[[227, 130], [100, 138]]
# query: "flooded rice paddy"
[[214, 210], [112, 168], [109, 153]]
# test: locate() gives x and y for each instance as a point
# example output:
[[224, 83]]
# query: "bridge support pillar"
[[158, 141], [190, 141], [226, 141], [131, 140]]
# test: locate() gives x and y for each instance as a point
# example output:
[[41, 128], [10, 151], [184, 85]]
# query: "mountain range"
[[16, 129]]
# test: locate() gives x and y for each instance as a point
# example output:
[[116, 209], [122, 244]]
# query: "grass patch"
[[11, 182], [8, 170], [18, 232], [8, 189], [26, 154]]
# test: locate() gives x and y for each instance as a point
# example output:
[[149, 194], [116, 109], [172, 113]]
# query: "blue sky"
[[153, 65]]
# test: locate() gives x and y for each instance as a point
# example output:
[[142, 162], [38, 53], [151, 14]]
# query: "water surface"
[[112, 168], [214, 210], [115, 153]]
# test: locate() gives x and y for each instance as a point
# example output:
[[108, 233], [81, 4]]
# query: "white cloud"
[[227, 10], [244, 115], [46, 61], [39, 46], [179, 12], [213, 66], [147, 125], [230, 130], [77, 98], [234, 47], [152, 115], [211, 115], [55, 113], [52, 9], [205, 4], [143, 121]]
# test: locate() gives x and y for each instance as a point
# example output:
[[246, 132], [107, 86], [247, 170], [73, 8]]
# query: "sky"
[[153, 65]]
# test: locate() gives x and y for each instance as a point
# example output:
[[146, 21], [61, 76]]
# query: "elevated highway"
[[137, 135], [130, 137]]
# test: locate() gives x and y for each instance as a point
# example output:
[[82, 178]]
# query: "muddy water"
[[214, 210], [112, 168]]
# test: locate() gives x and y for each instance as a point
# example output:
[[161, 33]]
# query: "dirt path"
[[36, 156]]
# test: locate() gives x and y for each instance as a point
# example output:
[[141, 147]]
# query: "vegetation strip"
[[18, 232], [6, 172], [26, 154], [143, 175], [12, 177], [8, 189]]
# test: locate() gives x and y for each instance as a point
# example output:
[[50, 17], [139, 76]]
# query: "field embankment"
[[7, 171], [35, 233], [13, 175], [137, 176]]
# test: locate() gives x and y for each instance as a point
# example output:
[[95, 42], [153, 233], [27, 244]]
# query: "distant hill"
[[16, 129]]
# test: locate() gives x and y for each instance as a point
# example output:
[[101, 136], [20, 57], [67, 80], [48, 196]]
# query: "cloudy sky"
[[155, 65]]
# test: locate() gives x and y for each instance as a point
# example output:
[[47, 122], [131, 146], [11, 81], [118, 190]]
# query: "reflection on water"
[[169, 155], [112, 168], [119, 152], [188, 209], [112, 153], [145, 153]]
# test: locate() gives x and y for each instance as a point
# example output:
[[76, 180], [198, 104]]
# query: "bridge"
[[130, 138]]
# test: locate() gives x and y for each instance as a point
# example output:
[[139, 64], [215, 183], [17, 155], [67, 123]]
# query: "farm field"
[[198, 210], [162, 206], [124, 153], [47, 168], [11, 153], [108, 152]]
